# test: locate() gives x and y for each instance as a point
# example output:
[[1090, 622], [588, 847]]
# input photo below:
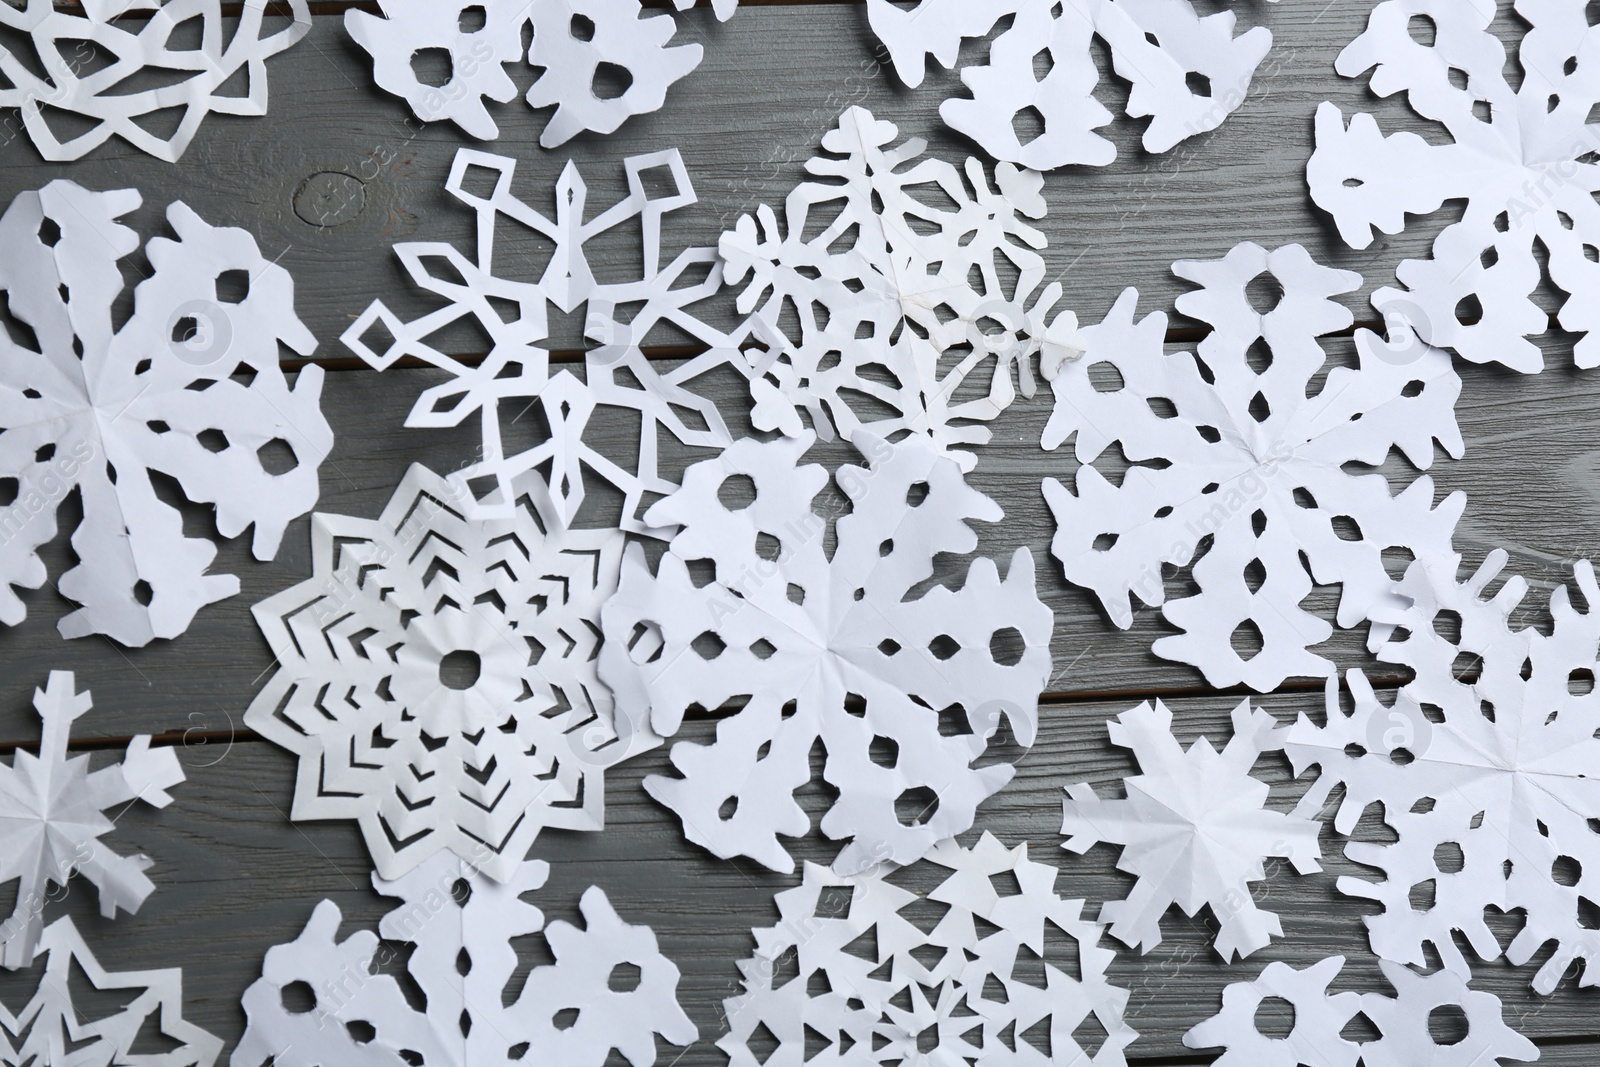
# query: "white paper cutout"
[[51, 821], [1249, 461], [462, 928], [572, 40], [1194, 829], [1187, 72], [514, 316], [885, 296], [48, 1026], [79, 83], [190, 387], [1319, 1017], [1488, 784], [872, 982], [1522, 160], [805, 641], [386, 738]]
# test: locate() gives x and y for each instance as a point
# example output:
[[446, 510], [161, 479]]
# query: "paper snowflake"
[[320, 1000], [438, 678], [1188, 73], [898, 301], [576, 45], [825, 648], [51, 818], [189, 388], [1402, 1022], [50, 1031], [1194, 827], [1240, 474], [1488, 781], [875, 986], [513, 316], [1522, 160], [86, 62]]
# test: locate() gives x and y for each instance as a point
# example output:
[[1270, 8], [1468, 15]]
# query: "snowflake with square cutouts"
[[874, 986], [1523, 160], [1484, 767], [905, 691], [512, 317], [1238, 456]]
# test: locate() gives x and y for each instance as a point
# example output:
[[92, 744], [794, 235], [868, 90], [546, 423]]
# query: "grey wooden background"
[[235, 877]]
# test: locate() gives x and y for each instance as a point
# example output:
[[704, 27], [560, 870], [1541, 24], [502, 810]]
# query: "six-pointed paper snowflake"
[[1239, 472], [1194, 827], [71, 50], [1489, 783], [50, 1030], [513, 315], [51, 818], [897, 300], [464, 928], [189, 388], [1524, 160], [1188, 73], [576, 45], [875, 986], [835, 648], [1402, 1021], [438, 678]]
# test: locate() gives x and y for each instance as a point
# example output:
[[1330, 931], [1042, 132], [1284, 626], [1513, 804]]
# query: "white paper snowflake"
[[831, 648], [1194, 827], [1484, 765], [897, 302], [513, 316], [51, 818], [1522, 160], [1402, 1022], [49, 1031], [463, 929], [1188, 73], [88, 59], [577, 45], [189, 388], [437, 678], [874, 986], [1239, 473]]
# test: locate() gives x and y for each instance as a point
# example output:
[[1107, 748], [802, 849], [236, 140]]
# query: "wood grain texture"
[[235, 877]]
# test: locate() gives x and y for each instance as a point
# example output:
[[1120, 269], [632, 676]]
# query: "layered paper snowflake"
[[50, 1030], [579, 47], [1194, 829], [1484, 765], [1522, 159], [1188, 73], [897, 302], [1402, 1022], [463, 930], [188, 388], [437, 678], [748, 607], [875, 985], [1238, 461], [51, 819], [513, 316], [87, 61]]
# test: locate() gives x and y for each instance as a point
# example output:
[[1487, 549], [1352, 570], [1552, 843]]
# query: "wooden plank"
[[234, 879]]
